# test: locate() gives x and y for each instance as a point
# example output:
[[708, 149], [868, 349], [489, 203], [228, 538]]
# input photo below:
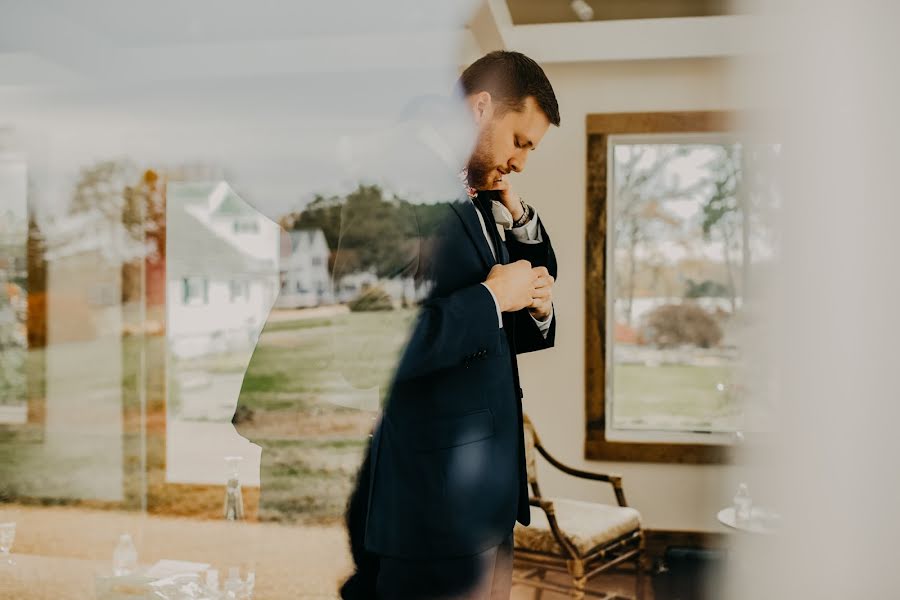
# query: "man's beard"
[[481, 168]]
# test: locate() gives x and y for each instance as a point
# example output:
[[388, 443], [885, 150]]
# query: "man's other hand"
[[542, 296]]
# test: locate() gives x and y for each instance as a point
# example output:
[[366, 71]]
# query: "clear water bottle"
[[743, 505], [234, 503], [212, 580], [212, 589], [124, 556], [233, 586]]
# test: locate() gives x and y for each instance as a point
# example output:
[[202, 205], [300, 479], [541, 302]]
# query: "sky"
[[266, 92]]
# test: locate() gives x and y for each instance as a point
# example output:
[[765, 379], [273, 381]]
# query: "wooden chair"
[[580, 538]]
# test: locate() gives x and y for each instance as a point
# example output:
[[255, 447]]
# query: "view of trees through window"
[[691, 232]]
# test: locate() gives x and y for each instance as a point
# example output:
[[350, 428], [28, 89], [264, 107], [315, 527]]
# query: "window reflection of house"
[[196, 290], [221, 263], [305, 280], [222, 278], [238, 290]]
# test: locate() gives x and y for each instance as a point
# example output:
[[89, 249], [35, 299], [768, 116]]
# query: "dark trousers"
[[483, 576]]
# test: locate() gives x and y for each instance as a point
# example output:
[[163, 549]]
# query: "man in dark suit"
[[444, 479]]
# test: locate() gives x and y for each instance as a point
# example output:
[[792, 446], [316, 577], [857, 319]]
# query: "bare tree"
[[723, 214], [133, 201], [641, 193]]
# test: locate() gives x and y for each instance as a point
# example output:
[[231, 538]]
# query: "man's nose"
[[517, 163]]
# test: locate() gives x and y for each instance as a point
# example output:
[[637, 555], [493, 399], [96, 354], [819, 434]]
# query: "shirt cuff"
[[529, 233], [544, 325], [497, 306]]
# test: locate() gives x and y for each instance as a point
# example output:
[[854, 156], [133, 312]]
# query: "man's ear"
[[482, 107]]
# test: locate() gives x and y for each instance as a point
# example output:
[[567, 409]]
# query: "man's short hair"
[[510, 77]]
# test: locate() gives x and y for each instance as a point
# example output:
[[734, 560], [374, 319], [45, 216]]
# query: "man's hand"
[[509, 198], [542, 304], [512, 285]]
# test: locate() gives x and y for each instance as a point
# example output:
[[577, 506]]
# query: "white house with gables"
[[221, 268], [305, 280]]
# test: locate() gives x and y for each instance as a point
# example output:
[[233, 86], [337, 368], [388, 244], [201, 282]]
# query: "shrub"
[[678, 324], [705, 289], [242, 414], [372, 298]]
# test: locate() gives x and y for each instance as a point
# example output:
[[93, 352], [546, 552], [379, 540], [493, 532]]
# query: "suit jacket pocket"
[[453, 430]]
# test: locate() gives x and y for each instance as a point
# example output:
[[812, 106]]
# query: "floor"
[[61, 550], [616, 586]]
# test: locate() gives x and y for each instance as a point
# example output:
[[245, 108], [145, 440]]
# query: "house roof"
[[218, 197], [194, 249]]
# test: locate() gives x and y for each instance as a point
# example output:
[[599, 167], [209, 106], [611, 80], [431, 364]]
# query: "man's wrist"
[[525, 217], [515, 207], [544, 325], [542, 317]]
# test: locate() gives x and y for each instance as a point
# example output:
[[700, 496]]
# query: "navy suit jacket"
[[446, 466]]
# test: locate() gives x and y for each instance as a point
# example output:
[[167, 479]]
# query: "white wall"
[[668, 496]]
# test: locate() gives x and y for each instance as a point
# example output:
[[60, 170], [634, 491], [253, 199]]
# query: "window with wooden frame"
[[675, 231], [15, 361]]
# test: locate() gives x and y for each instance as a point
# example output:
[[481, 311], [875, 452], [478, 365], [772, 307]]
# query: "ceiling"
[[532, 12], [58, 41]]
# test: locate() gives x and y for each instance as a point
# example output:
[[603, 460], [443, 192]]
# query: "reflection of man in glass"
[[444, 480]]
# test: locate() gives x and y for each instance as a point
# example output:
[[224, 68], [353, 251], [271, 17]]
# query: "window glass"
[[691, 233]]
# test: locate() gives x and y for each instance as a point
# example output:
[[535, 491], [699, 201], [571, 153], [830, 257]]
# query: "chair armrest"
[[561, 538], [544, 505], [614, 480]]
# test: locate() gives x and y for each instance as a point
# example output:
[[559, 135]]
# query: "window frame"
[[188, 298], [236, 290], [685, 448]]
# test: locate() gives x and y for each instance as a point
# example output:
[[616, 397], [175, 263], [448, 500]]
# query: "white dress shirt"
[[529, 233]]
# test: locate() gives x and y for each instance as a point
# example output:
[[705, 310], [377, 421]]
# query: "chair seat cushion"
[[587, 524]]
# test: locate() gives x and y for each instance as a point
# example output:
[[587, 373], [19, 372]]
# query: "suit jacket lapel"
[[465, 210]]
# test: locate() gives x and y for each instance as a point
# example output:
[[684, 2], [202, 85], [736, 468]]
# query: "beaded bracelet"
[[527, 213]]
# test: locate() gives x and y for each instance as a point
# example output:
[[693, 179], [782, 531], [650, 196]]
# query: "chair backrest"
[[530, 453]]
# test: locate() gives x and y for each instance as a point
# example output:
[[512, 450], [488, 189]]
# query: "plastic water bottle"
[[212, 580], [233, 586], [743, 505], [124, 556]]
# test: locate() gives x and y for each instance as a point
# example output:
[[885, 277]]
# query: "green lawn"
[[294, 367], [299, 393], [308, 479], [682, 394], [296, 387], [299, 384]]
